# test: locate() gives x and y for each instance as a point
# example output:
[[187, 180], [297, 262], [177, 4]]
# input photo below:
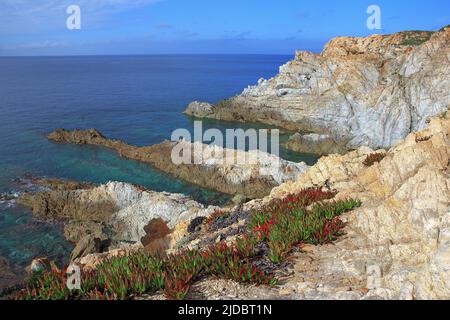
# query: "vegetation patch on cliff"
[[415, 38], [300, 218]]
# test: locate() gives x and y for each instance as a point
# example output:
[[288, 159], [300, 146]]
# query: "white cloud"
[[32, 6], [37, 45], [35, 16]]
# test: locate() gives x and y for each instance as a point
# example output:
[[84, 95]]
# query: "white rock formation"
[[240, 167], [136, 208]]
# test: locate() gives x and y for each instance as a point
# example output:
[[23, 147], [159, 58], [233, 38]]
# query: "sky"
[[38, 27]]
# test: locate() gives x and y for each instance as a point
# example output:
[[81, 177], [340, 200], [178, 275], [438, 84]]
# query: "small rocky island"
[[370, 220]]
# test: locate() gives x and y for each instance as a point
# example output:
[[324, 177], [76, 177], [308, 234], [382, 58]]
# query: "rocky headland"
[[219, 170], [369, 91]]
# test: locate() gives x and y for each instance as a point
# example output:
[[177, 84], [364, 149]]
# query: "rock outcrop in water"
[[250, 179], [113, 215], [369, 91]]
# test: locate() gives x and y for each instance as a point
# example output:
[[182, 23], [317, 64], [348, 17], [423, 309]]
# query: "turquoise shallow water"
[[138, 99]]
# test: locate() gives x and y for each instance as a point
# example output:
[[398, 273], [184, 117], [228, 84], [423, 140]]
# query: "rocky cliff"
[[369, 91]]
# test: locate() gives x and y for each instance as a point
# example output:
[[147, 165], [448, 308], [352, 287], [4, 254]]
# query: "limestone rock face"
[[369, 91], [112, 215], [138, 208], [397, 245]]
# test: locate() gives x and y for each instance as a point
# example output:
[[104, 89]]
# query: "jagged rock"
[[75, 230], [396, 245], [369, 91], [75, 204], [195, 224], [76, 136], [219, 168], [58, 184], [200, 109], [87, 245], [239, 199], [91, 261]]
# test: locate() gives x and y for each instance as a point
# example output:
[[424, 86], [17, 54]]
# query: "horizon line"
[[147, 54]]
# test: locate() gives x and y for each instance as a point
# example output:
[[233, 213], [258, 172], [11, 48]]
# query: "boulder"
[[87, 245], [199, 109], [39, 265]]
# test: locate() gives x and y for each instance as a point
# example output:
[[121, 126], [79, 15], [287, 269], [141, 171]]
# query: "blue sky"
[[38, 27]]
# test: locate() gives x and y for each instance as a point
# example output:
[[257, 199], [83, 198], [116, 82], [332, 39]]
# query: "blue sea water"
[[138, 99]]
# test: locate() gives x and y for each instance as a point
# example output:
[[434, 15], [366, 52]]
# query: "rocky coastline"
[[213, 172], [369, 91], [395, 246], [376, 108], [110, 216]]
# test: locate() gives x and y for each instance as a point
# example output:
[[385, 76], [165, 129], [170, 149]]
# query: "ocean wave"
[[6, 204]]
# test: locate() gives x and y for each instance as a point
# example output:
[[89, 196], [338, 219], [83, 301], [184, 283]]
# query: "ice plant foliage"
[[300, 218], [304, 217], [138, 273]]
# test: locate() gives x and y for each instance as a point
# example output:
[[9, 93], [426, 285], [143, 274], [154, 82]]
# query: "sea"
[[137, 99]]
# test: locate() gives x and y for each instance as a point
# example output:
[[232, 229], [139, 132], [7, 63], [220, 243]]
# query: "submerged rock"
[[369, 91]]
